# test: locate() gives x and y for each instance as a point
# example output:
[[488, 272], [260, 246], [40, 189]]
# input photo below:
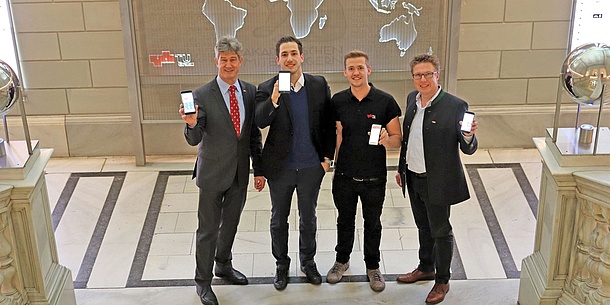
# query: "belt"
[[360, 179], [420, 175], [365, 179]]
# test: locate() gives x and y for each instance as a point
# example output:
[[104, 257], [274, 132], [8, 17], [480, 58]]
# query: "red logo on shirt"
[[371, 116]]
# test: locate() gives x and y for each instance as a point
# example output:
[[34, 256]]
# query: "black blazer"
[[279, 139], [221, 153], [442, 137]]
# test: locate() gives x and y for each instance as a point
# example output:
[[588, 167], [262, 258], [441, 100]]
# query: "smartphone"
[[467, 121], [375, 133], [284, 79], [188, 101]]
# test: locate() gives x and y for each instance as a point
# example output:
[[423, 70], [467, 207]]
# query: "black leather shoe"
[[280, 281], [226, 271], [207, 296], [311, 271]]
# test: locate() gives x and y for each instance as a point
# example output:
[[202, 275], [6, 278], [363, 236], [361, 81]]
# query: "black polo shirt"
[[356, 158]]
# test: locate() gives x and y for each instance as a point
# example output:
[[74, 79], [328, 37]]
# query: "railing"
[[9, 295], [588, 280]]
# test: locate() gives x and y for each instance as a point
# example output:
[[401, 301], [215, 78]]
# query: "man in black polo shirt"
[[360, 168]]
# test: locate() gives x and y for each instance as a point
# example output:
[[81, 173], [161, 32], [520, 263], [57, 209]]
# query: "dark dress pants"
[[306, 181], [345, 195], [218, 214], [435, 232]]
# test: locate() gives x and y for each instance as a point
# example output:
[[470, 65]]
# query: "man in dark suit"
[[431, 171], [224, 129], [297, 152]]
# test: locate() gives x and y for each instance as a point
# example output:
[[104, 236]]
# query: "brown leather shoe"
[[414, 276], [437, 294]]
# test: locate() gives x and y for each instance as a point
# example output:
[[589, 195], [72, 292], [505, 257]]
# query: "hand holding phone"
[[375, 133], [467, 121], [188, 102], [284, 81]]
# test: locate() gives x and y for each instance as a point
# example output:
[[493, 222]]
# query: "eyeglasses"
[[427, 75]]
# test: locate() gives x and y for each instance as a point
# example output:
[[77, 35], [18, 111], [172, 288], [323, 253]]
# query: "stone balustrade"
[[588, 280], [30, 272], [571, 260], [9, 294]]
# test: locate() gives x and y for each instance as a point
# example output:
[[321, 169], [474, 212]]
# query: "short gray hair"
[[228, 44]]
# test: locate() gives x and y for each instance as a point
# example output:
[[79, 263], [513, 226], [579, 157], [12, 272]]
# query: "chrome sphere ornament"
[[585, 71], [10, 88]]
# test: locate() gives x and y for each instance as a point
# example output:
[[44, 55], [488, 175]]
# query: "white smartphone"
[[284, 79], [375, 133], [188, 101], [467, 121]]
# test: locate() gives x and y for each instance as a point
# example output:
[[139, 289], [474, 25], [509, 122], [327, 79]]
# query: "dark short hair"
[[426, 58], [228, 44], [355, 54], [285, 39]]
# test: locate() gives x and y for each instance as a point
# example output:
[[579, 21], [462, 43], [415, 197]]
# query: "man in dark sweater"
[[297, 153]]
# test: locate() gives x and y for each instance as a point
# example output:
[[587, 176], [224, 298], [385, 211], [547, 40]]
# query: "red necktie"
[[234, 105]]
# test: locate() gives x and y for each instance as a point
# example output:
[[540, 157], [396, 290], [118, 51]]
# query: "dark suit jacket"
[[279, 139], [442, 137], [221, 154]]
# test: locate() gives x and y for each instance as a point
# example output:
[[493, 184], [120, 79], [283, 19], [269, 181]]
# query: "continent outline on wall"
[[401, 29]]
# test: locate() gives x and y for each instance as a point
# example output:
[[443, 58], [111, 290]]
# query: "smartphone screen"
[[375, 133], [467, 121], [284, 79], [188, 101]]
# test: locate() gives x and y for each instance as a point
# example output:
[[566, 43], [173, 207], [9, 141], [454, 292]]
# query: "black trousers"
[[218, 215], [346, 192], [435, 231], [306, 182]]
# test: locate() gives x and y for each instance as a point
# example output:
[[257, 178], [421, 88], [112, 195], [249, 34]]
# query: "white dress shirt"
[[416, 161]]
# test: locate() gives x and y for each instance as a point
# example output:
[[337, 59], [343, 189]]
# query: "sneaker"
[[336, 272], [376, 280]]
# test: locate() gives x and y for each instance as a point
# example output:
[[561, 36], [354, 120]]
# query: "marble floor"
[[127, 234]]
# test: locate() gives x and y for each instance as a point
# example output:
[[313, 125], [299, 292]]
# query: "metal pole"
[[5, 129], [561, 76], [577, 116], [599, 115], [24, 120], [557, 109]]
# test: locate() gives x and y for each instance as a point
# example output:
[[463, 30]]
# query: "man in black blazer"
[[297, 152], [431, 171], [227, 139]]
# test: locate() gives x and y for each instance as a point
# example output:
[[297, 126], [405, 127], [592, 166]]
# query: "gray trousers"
[[218, 214], [306, 182]]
